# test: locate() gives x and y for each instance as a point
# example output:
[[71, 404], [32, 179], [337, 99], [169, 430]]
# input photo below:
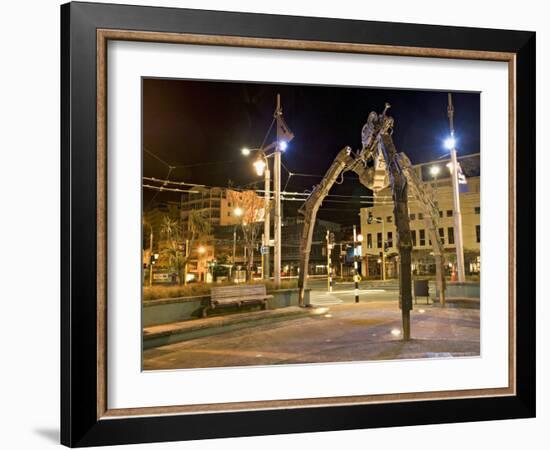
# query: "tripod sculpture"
[[378, 165]]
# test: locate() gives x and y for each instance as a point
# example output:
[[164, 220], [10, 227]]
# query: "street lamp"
[[355, 264], [260, 166], [284, 136], [238, 211], [201, 250], [359, 238], [450, 144]]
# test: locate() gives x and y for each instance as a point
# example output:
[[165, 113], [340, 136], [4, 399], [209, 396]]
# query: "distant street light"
[[283, 145], [359, 238], [201, 250], [245, 151], [259, 165], [238, 211], [434, 170]]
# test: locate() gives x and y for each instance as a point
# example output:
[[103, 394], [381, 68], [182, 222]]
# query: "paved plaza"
[[335, 330]]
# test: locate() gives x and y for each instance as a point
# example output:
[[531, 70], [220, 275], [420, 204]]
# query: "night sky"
[[201, 126]]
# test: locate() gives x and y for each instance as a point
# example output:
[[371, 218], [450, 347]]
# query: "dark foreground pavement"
[[337, 333]]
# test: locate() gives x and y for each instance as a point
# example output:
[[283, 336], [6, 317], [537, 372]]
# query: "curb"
[[159, 335]]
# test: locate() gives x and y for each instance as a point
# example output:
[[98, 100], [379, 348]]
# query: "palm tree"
[[178, 255]]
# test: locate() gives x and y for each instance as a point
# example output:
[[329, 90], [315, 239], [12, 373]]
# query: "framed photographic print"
[[276, 224]]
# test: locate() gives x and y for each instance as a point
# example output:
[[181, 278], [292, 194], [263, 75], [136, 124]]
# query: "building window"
[[420, 216], [440, 213], [422, 237], [390, 239], [449, 213], [389, 219], [413, 237], [442, 235], [379, 240], [478, 233], [369, 240], [477, 209], [413, 216], [451, 235]]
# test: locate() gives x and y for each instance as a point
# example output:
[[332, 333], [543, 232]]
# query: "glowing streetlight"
[[238, 211], [245, 151], [259, 165], [283, 145], [359, 238], [450, 143], [434, 170], [201, 250]]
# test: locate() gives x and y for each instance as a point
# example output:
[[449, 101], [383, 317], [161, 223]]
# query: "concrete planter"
[[168, 310]]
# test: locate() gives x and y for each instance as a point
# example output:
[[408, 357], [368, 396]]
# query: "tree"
[[252, 216], [180, 242]]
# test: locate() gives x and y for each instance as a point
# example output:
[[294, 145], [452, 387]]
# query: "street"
[[344, 292]]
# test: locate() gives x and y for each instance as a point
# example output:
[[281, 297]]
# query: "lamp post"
[[151, 257], [277, 189], [329, 265], [450, 143], [261, 166], [238, 212], [284, 136], [355, 263]]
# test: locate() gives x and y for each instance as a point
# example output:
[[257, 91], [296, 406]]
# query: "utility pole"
[[267, 221], [151, 257], [355, 265], [277, 199], [234, 244], [186, 261], [329, 265], [383, 251], [456, 196]]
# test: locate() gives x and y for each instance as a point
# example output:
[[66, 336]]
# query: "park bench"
[[237, 295]]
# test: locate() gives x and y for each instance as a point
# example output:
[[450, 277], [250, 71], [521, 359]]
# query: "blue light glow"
[[450, 143]]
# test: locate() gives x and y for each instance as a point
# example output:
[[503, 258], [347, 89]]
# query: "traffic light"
[[154, 258]]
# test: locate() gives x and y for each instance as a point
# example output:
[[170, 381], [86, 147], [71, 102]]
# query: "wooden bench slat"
[[238, 295]]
